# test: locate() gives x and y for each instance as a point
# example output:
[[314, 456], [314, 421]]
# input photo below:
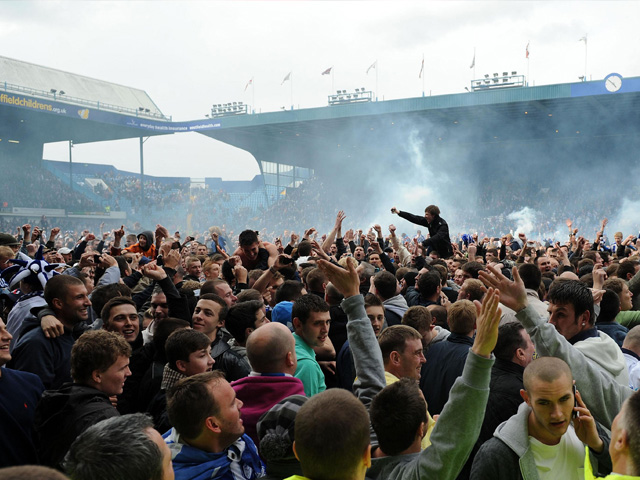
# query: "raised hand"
[[512, 293], [118, 234], [346, 281], [171, 259], [153, 271], [487, 323], [161, 232]]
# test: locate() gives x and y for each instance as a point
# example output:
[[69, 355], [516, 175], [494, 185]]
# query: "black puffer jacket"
[[439, 239]]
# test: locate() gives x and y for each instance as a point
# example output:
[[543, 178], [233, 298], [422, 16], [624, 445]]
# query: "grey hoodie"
[[397, 305], [508, 455], [441, 335]]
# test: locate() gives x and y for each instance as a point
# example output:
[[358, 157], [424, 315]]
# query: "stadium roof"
[[32, 112], [364, 130], [40, 81]]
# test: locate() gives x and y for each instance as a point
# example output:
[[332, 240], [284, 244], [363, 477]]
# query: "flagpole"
[[422, 71], [585, 57], [291, 89], [253, 94], [474, 63], [376, 80], [332, 86]]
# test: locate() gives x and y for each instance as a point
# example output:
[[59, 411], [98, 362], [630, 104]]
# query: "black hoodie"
[[64, 414]]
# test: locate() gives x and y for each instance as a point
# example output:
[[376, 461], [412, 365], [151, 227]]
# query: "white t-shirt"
[[564, 460]]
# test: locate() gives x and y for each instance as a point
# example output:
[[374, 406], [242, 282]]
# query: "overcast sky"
[[188, 55]]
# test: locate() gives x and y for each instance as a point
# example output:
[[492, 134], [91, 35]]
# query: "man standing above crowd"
[[254, 253], [438, 229]]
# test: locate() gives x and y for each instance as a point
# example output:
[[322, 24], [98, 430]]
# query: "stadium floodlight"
[[486, 75], [141, 109], [53, 90], [338, 91], [514, 73], [504, 74], [495, 75], [146, 110], [235, 103], [61, 92], [206, 115], [362, 89]]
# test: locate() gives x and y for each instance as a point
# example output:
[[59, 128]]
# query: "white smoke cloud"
[[525, 220], [627, 219]]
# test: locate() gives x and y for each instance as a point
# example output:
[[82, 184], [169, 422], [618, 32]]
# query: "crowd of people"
[[331, 353], [28, 185]]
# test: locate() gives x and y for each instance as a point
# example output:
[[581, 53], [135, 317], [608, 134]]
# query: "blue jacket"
[[445, 363]]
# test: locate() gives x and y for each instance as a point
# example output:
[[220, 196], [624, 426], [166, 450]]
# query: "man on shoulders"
[[254, 253], [438, 229]]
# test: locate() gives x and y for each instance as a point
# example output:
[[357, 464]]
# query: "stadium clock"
[[613, 82]]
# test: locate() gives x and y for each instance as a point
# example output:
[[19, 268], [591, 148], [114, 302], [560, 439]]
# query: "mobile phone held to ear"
[[575, 403]]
